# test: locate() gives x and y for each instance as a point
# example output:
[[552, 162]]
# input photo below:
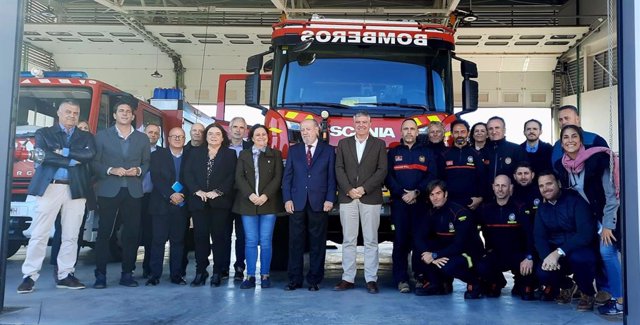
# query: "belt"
[[60, 181]]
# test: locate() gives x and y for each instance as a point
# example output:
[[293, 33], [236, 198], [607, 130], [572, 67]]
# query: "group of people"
[[544, 212]]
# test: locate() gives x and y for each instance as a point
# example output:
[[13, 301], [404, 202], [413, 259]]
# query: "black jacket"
[[81, 148], [506, 229], [222, 177], [163, 177], [464, 174], [568, 224]]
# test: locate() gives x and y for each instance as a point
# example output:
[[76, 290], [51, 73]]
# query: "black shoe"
[[70, 282], [26, 286], [314, 287], [215, 280], [101, 280], [146, 274], [372, 287], [493, 291], [200, 279], [248, 283], [126, 279], [239, 275], [473, 292], [178, 280], [153, 281], [429, 289], [528, 294], [224, 275], [291, 286]]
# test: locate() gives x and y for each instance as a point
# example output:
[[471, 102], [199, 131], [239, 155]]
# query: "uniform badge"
[[470, 159], [451, 228], [512, 218], [398, 158], [507, 160], [422, 159], [449, 162], [536, 202]]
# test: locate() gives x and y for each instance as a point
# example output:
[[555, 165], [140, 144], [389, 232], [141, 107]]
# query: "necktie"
[[309, 155]]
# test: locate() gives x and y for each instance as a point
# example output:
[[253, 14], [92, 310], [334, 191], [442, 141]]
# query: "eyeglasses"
[[176, 137]]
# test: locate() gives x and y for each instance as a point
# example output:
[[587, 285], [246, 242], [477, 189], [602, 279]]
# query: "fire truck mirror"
[[254, 64], [306, 58], [468, 69], [252, 89], [469, 95]]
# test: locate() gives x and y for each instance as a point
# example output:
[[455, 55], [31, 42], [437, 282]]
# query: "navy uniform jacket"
[[410, 169], [507, 230], [502, 157], [528, 198], [81, 148], [449, 231], [464, 174], [315, 184], [567, 225]]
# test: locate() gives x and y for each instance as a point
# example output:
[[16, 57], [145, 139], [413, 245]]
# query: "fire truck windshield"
[[38, 106], [357, 78]]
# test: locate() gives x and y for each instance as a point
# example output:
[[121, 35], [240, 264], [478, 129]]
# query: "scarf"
[[576, 166]]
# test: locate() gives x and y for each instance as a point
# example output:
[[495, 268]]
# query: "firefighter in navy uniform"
[[508, 235], [525, 190], [411, 166], [501, 156], [463, 168], [449, 243]]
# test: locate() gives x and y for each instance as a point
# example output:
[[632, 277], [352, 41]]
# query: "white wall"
[[595, 113]]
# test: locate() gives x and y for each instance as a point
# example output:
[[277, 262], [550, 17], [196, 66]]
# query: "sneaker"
[[101, 280], [248, 283], [611, 307], [26, 286], [602, 298], [586, 303], [239, 274], [126, 279], [403, 287], [429, 289], [566, 295], [265, 282], [70, 282], [473, 292], [548, 294]]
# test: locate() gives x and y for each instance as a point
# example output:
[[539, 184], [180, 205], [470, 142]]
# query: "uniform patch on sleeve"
[[449, 162], [398, 158], [462, 218]]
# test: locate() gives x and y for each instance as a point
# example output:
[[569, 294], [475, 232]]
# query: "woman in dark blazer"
[[258, 203], [209, 177]]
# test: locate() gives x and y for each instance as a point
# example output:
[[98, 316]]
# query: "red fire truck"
[[38, 102], [329, 69]]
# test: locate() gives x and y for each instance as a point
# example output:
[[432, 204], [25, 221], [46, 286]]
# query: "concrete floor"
[[171, 304]]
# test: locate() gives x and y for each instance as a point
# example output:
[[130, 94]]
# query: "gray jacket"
[[109, 155]]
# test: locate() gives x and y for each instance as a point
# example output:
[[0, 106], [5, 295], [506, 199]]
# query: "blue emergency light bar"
[[55, 74]]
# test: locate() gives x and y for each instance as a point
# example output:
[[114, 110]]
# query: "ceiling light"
[[156, 74], [48, 13], [470, 17]]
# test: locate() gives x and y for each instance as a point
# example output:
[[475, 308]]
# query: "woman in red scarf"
[[587, 171]]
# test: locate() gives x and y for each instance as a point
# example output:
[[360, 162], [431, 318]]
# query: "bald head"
[[502, 187], [197, 134]]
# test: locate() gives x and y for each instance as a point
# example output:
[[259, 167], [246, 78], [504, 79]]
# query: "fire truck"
[[329, 69], [39, 98]]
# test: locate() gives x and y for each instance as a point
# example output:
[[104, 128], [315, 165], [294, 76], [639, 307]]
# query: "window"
[[600, 67], [104, 117], [38, 106]]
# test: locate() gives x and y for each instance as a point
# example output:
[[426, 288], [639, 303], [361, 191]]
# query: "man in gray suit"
[[122, 157], [361, 167]]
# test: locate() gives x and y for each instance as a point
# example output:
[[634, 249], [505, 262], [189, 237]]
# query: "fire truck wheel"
[[13, 247]]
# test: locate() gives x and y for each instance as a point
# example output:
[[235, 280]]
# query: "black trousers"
[[146, 232], [189, 245], [302, 225], [405, 221], [457, 267], [212, 223], [239, 245], [492, 264], [128, 208], [168, 226]]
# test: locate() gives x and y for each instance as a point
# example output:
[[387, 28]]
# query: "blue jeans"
[[612, 270], [258, 230]]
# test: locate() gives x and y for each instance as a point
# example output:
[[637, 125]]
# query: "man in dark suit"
[[61, 184], [122, 158], [308, 190], [361, 167], [167, 208], [237, 131], [153, 132], [538, 152]]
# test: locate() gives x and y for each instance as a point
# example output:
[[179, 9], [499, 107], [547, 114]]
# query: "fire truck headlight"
[[37, 155], [324, 115]]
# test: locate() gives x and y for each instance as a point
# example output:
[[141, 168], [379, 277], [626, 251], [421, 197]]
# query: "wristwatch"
[[529, 257], [434, 255], [560, 252]]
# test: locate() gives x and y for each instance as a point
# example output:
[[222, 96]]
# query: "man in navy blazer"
[[122, 159], [308, 190], [167, 208]]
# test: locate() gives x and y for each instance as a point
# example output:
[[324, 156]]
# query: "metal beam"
[[12, 16], [112, 6]]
